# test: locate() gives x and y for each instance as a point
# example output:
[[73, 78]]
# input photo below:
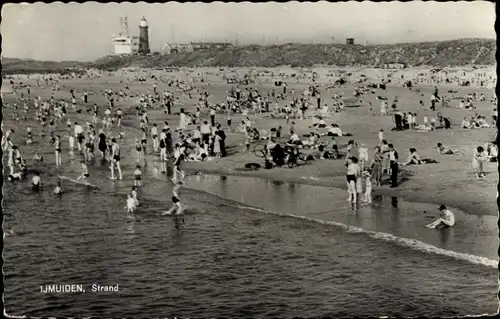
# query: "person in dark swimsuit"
[[102, 144]]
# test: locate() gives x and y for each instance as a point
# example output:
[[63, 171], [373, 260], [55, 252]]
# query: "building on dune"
[[172, 48], [206, 46]]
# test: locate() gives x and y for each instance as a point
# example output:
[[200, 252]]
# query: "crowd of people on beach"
[[200, 137]]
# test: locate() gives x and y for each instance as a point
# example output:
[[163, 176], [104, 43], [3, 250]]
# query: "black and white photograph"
[[249, 160]]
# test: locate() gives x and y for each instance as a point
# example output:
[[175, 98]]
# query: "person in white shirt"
[[58, 190], [71, 140], [36, 182], [409, 120], [182, 121], [478, 159], [363, 156], [130, 207], [367, 175], [79, 135], [205, 134], [294, 137], [380, 137], [446, 220], [154, 136], [334, 131]]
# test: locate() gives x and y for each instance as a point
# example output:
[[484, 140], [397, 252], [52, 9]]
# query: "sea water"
[[247, 247]]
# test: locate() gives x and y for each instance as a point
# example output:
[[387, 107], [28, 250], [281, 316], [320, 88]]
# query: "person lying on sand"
[[492, 151], [466, 123], [423, 128], [334, 130], [447, 219], [444, 150]]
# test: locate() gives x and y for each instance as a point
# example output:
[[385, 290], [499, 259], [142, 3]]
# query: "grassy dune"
[[445, 53]]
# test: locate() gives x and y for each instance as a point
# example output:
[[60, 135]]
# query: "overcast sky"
[[84, 31]]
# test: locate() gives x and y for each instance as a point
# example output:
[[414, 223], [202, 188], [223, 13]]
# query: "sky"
[[83, 32]]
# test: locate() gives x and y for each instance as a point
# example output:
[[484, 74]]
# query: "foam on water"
[[405, 242]]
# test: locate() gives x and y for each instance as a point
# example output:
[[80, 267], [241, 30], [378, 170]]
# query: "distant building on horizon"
[[349, 41]]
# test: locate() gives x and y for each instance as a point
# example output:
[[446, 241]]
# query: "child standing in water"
[[130, 207], [58, 191], [134, 195], [137, 176], [367, 175]]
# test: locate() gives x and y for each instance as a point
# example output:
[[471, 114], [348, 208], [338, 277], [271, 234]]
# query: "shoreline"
[[406, 194]]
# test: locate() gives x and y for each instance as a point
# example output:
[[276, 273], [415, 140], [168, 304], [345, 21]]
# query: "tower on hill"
[[143, 37]]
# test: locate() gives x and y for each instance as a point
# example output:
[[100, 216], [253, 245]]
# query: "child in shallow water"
[[367, 176]]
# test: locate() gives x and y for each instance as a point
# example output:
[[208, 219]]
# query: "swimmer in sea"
[[58, 191], [177, 206], [447, 219], [36, 182]]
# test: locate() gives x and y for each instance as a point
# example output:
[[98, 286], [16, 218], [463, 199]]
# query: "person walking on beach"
[[393, 158], [115, 159], [479, 158], [182, 121], [447, 219], [154, 136]]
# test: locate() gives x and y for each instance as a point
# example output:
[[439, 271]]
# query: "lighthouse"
[[143, 37]]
